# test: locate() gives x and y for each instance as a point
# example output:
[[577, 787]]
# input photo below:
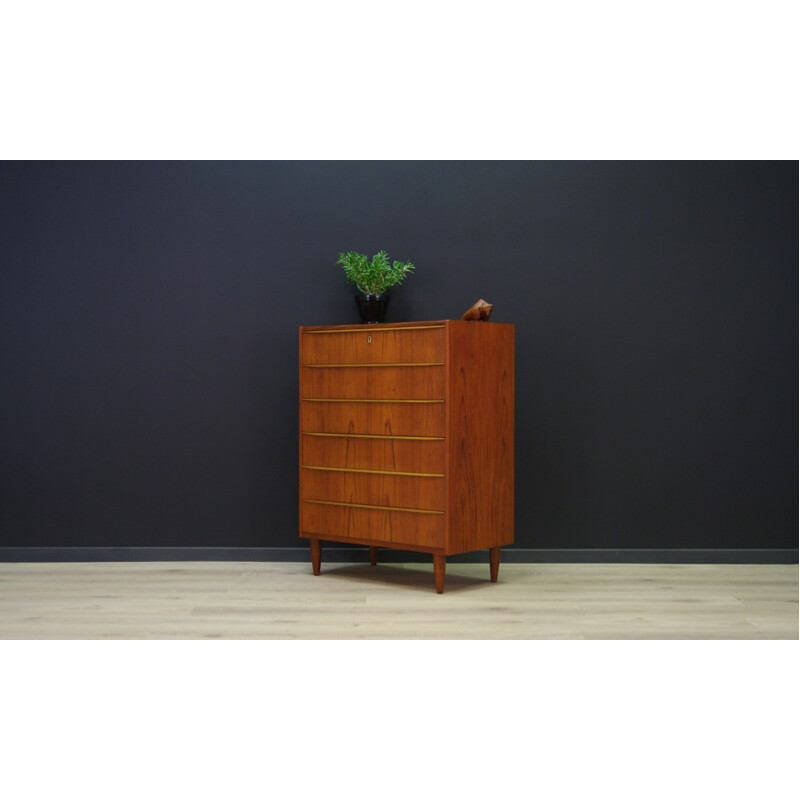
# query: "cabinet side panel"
[[480, 408], [299, 430]]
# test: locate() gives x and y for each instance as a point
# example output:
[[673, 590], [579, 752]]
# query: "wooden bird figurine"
[[479, 311]]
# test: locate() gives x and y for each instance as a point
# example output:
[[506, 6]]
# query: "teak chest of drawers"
[[407, 438]]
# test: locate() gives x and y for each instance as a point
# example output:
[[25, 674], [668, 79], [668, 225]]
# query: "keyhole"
[[369, 340]]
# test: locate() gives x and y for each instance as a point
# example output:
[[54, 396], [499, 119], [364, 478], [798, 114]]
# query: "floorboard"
[[270, 600]]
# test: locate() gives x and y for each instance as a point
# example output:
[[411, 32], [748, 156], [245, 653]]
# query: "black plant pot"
[[372, 307]]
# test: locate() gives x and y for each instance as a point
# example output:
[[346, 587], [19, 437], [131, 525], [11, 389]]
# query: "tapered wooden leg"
[[438, 572], [316, 555], [373, 556], [494, 563]]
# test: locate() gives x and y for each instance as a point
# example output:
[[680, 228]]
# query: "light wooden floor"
[[249, 600]]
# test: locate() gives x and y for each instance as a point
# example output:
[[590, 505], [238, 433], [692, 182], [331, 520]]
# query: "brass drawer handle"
[[378, 508], [364, 400], [376, 471], [382, 330], [377, 364], [374, 436]]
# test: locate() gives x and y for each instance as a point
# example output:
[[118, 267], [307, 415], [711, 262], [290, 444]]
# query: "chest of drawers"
[[407, 438]]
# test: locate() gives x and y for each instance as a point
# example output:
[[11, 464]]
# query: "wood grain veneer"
[[406, 419], [402, 455], [480, 437], [373, 525], [377, 489], [395, 383], [407, 437], [379, 345]]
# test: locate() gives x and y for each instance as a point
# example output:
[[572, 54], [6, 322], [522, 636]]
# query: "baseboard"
[[341, 554]]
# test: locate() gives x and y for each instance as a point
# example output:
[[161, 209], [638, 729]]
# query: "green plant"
[[376, 276]]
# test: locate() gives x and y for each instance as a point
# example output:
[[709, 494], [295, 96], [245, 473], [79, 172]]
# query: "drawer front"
[[397, 455], [375, 345], [387, 419], [394, 383], [393, 527], [372, 488]]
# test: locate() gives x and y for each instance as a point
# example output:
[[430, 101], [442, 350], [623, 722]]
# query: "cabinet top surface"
[[360, 326]]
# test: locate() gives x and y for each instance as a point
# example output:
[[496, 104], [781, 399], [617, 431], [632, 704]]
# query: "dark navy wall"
[[148, 340]]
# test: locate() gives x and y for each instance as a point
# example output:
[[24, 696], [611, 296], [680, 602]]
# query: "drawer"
[[372, 488], [374, 382], [387, 419], [399, 455], [372, 525], [375, 344]]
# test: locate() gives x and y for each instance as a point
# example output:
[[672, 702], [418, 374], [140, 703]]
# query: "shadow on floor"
[[415, 576]]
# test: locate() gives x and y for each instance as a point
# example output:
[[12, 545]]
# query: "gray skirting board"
[[339, 554]]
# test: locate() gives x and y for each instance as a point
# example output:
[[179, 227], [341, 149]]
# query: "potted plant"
[[373, 279]]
